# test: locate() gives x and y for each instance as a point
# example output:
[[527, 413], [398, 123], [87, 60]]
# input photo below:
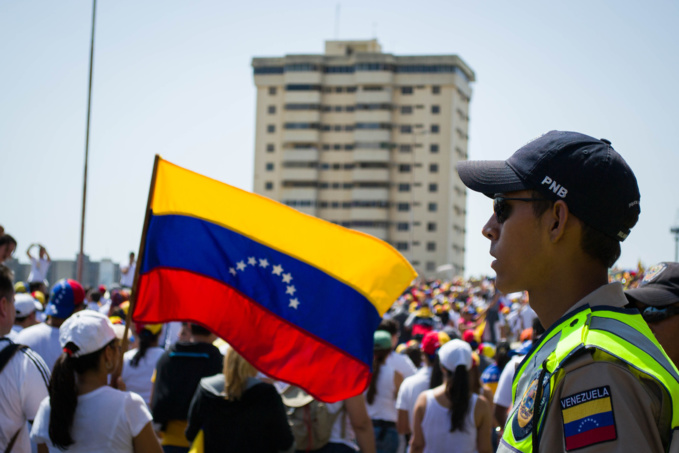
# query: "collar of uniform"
[[610, 295]]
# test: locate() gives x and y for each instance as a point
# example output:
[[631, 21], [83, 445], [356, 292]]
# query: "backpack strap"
[[7, 353]]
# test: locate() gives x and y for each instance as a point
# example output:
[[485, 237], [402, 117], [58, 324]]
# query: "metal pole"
[[675, 231], [87, 148]]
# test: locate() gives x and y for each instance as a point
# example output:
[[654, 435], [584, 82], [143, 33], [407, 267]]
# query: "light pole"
[[79, 272], [675, 231]]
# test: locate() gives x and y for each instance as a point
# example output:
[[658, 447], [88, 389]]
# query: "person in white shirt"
[[450, 414], [139, 364], [127, 273], [23, 378], [26, 310], [39, 267], [413, 385], [82, 413]]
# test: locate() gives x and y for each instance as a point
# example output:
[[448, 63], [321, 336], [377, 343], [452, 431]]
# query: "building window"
[[271, 128], [348, 147], [406, 109], [335, 185], [270, 148], [434, 129], [435, 109], [404, 148], [433, 187], [431, 266], [431, 226], [406, 129], [435, 89], [334, 204], [403, 226], [268, 186], [434, 148], [271, 109], [432, 207], [431, 246], [272, 91], [337, 127], [404, 187], [402, 246], [404, 168], [336, 147], [406, 90], [349, 108], [433, 168], [339, 89], [338, 108], [326, 147], [403, 207], [351, 89], [269, 166]]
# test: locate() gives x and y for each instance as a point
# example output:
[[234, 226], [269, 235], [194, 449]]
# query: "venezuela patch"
[[588, 418]]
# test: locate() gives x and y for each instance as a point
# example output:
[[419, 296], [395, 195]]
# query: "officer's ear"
[[558, 220]]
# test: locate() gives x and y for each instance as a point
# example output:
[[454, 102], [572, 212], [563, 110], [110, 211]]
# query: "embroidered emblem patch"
[[652, 273], [588, 418], [522, 422]]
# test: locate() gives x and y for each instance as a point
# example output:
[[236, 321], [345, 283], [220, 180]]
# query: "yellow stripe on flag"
[[370, 266], [586, 409]]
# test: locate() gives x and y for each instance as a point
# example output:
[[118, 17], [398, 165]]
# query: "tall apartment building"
[[369, 140]]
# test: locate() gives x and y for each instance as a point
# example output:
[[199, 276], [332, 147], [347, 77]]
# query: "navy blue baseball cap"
[[587, 173], [659, 287]]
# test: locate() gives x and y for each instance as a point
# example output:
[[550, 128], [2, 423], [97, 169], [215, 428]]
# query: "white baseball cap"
[[88, 330], [25, 304], [455, 353]]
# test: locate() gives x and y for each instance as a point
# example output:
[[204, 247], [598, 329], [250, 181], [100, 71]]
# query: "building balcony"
[[302, 97], [370, 175], [372, 135], [373, 116], [363, 193], [300, 155], [298, 193], [302, 116], [372, 155], [371, 214], [303, 77], [299, 174], [379, 233], [373, 97], [301, 135], [374, 77]]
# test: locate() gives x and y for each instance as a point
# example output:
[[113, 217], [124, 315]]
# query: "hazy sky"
[[174, 78]]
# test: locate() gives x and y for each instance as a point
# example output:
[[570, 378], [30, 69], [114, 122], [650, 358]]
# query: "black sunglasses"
[[502, 209], [655, 314]]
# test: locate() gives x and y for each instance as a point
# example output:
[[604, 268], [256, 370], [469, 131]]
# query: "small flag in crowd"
[[297, 296]]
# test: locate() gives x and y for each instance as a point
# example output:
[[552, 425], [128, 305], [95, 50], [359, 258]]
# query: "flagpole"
[[79, 270], [140, 261]]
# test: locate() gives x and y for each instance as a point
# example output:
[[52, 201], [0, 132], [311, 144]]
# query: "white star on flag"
[[252, 261], [240, 265], [232, 271], [290, 290], [287, 278], [263, 262], [277, 269], [294, 303]]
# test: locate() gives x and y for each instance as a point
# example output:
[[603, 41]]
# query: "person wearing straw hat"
[[82, 413]]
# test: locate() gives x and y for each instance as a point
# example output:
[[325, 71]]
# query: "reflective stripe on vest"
[[623, 334]]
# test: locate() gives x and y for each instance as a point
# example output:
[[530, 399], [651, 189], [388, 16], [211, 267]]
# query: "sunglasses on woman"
[[503, 209], [655, 314]]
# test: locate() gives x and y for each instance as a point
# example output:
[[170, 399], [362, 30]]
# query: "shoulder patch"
[[588, 418]]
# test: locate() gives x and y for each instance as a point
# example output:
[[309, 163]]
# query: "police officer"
[[597, 381], [657, 298]]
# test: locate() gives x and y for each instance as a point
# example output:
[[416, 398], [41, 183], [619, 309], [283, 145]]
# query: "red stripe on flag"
[[288, 353], [593, 436]]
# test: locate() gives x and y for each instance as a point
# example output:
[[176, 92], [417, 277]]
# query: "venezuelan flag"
[[589, 423], [297, 296]]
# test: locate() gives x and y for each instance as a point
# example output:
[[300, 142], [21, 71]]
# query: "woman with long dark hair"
[[451, 414], [381, 395], [140, 363], [82, 413]]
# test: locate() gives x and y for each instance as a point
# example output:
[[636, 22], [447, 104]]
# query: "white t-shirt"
[[138, 379], [336, 431], [401, 363], [128, 279], [44, 340], [105, 419], [23, 385], [410, 389], [436, 428], [503, 393], [383, 406], [39, 269]]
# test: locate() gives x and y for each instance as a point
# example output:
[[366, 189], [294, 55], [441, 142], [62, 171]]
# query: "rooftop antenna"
[[675, 231], [337, 21]]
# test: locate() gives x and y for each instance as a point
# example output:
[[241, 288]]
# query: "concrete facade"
[[369, 141]]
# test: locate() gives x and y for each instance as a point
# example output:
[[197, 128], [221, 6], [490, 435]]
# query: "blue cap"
[[65, 296]]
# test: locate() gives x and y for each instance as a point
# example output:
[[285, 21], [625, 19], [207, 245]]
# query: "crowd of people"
[[460, 365]]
